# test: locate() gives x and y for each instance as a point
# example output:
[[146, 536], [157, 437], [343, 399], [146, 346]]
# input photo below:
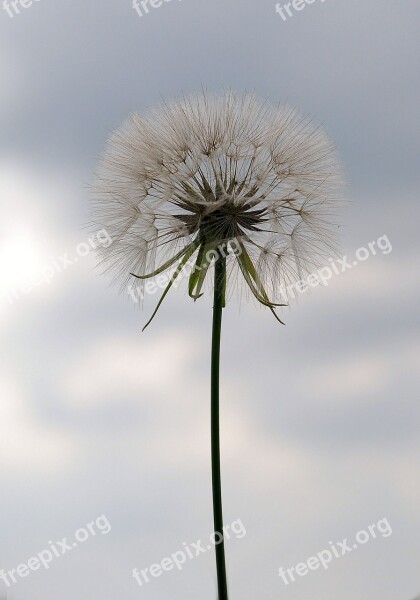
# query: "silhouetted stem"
[[219, 287]]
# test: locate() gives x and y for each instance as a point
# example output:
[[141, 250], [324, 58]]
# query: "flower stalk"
[[218, 305]]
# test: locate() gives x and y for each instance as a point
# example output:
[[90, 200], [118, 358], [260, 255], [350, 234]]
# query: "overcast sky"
[[320, 419]]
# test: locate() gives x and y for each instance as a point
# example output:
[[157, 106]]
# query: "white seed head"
[[220, 167]]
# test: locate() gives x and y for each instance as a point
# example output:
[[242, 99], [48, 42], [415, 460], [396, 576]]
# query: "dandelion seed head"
[[219, 168]]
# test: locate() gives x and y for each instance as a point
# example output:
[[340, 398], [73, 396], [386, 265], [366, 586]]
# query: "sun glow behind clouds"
[[24, 239], [21, 261]]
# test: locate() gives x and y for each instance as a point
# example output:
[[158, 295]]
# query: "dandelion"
[[228, 184]]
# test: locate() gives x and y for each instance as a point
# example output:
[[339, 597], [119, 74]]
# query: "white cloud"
[[24, 443], [359, 374], [115, 366]]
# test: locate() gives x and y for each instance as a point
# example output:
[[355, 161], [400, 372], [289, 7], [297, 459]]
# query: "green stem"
[[219, 293]]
